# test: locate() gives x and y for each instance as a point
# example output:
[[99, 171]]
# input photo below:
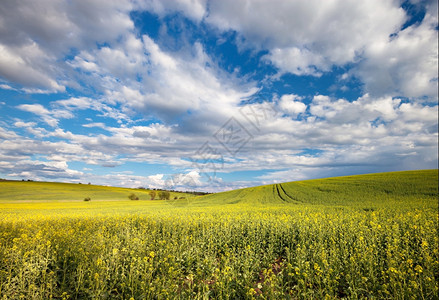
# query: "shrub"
[[87, 199], [133, 197], [152, 194]]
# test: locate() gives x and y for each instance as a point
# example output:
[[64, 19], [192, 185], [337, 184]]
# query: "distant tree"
[[164, 195], [133, 197], [87, 199], [152, 194]]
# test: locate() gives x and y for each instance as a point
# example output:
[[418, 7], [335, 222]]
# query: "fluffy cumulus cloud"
[[360, 133], [406, 63], [36, 36], [138, 75], [304, 37], [91, 89], [309, 38], [292, 104]]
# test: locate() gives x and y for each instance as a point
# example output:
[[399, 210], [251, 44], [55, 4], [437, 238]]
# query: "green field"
[[413, 188], [367, 236], [34, 191]]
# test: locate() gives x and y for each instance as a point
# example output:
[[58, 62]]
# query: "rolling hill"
[[412, 187], [370, 190], [24, 191]]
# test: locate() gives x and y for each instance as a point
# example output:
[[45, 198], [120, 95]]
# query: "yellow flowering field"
[[244, 250]]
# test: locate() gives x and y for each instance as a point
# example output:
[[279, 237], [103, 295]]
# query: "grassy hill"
[[23, 191], [408, 187], [371, 190]]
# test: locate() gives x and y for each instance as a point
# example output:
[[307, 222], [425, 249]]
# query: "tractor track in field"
[[276, 191], [279, 190], [288, 195]]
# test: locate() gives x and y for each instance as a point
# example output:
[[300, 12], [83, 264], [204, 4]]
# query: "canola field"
[[368, 236]]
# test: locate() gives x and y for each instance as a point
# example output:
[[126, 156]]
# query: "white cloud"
[[76, 103], [406, 64], [39, 110], [34, 36], [40, 170], [292, 105], [24, 124], [298, 61], [369, 134], [6, 87], [20, 65], [194, 9], [68, 106], [172, 83], [182, 181], [156, 181], [308, 37], [50, 117], [364, 109], [91, 125], [34, 108], [418, 113], [7, 134]]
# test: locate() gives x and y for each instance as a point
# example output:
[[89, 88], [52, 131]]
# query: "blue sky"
[[216, 95]]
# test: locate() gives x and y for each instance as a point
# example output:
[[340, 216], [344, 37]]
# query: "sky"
[[216, 95]]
